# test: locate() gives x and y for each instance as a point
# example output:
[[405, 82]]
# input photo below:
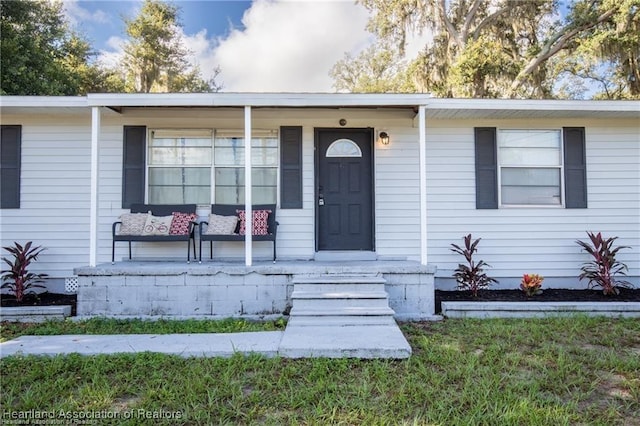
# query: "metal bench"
[[231, 210], [157, 210]]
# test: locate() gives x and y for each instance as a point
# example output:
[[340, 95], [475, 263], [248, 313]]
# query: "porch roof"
[[530, 108], [277, 100], [64, 105], [437, 108]]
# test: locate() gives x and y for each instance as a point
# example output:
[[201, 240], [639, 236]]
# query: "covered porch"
[[393, 225]]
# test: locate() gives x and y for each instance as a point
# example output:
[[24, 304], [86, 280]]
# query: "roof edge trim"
[[44, 101]]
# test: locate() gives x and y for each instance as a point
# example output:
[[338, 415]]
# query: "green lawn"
[[135, 326], [504, 372]]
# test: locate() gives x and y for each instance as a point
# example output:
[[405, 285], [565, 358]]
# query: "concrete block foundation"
[[221, 290]]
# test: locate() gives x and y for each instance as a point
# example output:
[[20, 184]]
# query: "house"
[[356, 177]]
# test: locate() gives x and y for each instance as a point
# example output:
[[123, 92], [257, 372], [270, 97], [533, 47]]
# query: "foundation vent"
[[71, 285]]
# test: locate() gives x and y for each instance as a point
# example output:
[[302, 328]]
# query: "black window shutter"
[[10, 154], [291, 167], [575, 168], [486, 168], [133, 165]]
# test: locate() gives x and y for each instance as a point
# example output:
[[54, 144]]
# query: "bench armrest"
[[113, 227], [204, 222]]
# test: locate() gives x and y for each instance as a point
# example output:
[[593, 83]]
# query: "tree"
[[503, 48], [376, 70], [155, 57], [39, 54], [609, 57]]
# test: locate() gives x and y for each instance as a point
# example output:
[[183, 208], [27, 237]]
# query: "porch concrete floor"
[[170, 266]]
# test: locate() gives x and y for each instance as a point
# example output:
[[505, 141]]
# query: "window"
[[179, 167], [520, 147], [530, 164], [344, 148], [229, 148], [194, 166]]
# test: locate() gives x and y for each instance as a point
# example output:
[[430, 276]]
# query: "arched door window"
[[344, 148]]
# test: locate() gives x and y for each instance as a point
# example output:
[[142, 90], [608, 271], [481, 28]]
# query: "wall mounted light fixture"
[[384, 138]]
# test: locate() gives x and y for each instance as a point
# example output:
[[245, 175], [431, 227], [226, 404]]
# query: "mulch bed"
[[548, 295], [42, 299]]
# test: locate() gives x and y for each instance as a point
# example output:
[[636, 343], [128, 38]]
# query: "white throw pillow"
[[221, 225], [132, 223], [157, 225]]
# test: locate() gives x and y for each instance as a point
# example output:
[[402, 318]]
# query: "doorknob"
[[320, 197]]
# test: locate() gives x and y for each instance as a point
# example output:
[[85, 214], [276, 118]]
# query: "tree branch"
[[556, 43], [469, 19], [448, 25], [490, 19]]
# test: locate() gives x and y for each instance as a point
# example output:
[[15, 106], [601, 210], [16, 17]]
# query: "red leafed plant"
[[471, 276], [603, 267], [531, 284], [18, 278]]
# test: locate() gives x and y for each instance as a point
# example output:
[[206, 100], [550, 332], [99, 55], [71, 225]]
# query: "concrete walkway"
[[184, 345], [328, 341]]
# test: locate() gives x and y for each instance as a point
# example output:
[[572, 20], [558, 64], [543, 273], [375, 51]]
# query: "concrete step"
[[338, 316], [335, 295], [343, 287], [337, 279], [341, 320], [350, 311], [328, 304], [339, 283], [339, 295]]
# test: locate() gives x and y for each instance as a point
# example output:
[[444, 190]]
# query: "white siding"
[[54, 205], [398, 195], [533, 240], [56, 169]]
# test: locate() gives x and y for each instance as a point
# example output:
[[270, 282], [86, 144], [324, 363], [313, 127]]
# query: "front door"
[[344, 189]]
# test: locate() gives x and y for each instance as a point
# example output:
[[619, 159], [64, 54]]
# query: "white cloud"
[[285, 46], [290, 46], [77, 15], [112, 57], [202, 51]]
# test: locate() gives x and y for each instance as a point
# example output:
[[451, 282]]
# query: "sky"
[[260, 46]]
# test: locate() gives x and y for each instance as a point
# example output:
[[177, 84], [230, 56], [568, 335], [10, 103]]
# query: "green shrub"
[[603, 267], [19, 280], [471, 276]]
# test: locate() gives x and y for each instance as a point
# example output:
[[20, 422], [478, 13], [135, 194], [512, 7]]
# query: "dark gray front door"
[[344, 189]]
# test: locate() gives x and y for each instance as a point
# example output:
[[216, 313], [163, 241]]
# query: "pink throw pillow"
[[180, 223], [260, 223]]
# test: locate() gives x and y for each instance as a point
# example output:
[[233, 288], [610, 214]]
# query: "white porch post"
[[93, 219], [248, 235], [423, 183]]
